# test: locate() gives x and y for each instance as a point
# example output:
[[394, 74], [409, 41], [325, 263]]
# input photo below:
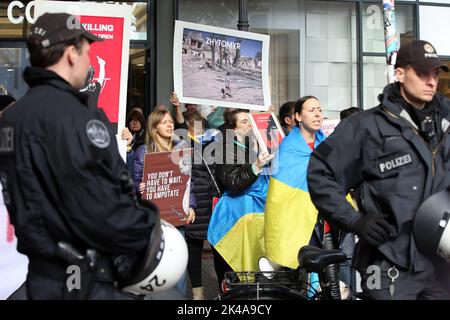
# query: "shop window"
[[312, 51], [373, 26], [221, 13], [139, 21], [444, 81], [136, 79], [12, 63], [18, 29], [374, 80]]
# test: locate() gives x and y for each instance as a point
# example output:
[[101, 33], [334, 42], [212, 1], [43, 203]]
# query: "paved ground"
[[209, 278]]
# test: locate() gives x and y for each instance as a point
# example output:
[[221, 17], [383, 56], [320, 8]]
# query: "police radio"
[[428, 129]]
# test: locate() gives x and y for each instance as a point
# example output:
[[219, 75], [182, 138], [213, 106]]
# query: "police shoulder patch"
[[98, 133]]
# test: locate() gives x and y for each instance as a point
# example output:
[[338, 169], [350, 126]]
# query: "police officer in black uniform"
[[64, 183], [398, 154]]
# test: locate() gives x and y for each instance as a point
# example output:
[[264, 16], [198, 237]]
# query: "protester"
[[348, 112], [347, 239], [237, 223], [160, 138], [134, 133], [65, 186], [397, 154], [287, 117], [290, 216], [205, 188], [180, 122]]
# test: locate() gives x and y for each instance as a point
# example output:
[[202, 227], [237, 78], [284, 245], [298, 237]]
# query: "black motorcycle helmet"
[[431, 225]]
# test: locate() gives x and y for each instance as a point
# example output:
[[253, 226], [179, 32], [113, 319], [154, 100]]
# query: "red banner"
[[267, 130], [106, 59]]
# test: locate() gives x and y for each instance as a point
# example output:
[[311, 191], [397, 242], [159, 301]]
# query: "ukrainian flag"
[[290, 215], [236, 228]]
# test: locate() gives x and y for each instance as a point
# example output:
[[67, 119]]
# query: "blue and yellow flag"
[[236, 228], [290, 215]]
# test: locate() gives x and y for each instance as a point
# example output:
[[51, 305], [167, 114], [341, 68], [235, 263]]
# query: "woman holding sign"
[[236, 228], [159, 138]]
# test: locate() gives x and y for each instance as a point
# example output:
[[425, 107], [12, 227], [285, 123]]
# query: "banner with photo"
[[167, 178], [107, 79], [221, 67]]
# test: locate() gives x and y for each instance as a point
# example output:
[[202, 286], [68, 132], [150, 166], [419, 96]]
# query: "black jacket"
[[61, 174], [382, 151], [203, 188], [235, 173]]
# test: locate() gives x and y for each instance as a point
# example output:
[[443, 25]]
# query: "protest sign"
[[267, 130], [328, 126], [221, 67], [167, 183]]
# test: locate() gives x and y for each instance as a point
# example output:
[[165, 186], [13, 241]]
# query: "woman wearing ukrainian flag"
[[289, 214]]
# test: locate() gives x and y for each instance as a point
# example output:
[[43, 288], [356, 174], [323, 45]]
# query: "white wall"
[[434, 27]]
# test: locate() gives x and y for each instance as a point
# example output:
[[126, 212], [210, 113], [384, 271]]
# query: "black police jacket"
[[61, 174], [381, 151]]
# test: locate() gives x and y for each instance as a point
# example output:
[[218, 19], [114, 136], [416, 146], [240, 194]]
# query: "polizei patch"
[[396, 162], [98, 133]]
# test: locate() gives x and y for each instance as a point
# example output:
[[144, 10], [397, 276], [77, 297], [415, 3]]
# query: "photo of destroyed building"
[[222, 67]]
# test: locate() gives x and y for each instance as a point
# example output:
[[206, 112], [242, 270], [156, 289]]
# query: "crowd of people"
[[388, 160]]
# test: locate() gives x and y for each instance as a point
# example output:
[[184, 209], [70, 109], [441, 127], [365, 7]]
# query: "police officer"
[[64, 183], [398, 155]]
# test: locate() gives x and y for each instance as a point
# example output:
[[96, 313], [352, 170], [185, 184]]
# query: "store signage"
[[20, 5]]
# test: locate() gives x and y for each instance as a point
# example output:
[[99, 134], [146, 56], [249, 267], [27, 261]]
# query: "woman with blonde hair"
[[159, 138]]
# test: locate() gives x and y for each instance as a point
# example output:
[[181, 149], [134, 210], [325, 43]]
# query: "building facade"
[[333, 50]]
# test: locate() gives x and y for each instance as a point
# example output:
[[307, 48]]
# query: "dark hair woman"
[[136, 126], [237, 221]]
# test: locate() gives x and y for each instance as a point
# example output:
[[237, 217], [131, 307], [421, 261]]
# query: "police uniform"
[[384, 152], [63, 181]]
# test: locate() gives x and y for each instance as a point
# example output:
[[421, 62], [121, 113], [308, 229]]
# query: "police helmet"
[[164, 263], [432, 226]]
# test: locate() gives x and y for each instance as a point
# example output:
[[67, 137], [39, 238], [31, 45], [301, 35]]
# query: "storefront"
[[331, 49], [16, 17]]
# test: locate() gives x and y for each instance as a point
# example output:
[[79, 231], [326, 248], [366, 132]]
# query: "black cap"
[[53, 28], [421, 55]]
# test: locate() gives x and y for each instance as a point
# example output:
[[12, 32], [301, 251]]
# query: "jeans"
[[182, 283], [346, 272]]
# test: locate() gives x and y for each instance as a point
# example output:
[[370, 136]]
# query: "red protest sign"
[[167, 183]]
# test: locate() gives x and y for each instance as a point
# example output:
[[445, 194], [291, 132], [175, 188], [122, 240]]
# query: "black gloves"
[[373, 229], [126, 183]]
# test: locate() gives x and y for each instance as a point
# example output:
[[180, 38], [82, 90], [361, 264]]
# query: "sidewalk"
[[209, 278]]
